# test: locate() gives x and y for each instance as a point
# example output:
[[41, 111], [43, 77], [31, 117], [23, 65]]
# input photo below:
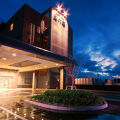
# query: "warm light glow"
[[11, 27], [62, 10], [59, 7], [19, 68], [4, 58], [14, 54], [55, 27], [45, 66], [65, 13], [57, 64]]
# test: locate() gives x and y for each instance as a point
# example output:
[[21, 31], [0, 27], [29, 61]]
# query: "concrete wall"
[[12, 77]]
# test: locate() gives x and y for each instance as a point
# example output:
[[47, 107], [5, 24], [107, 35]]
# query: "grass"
[[69, 97]]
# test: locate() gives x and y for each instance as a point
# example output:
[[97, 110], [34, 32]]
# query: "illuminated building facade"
[[112, 82], [88, 81], [34, 49]]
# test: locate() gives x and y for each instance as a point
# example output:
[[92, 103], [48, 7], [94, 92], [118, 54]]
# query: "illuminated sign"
[[57, 17], [59, 33]]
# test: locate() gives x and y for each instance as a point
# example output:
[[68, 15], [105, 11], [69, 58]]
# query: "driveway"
[[12, 107]]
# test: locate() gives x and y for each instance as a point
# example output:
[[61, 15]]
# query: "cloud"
[[116, 54]]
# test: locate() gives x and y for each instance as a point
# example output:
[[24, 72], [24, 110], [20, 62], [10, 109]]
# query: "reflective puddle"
[[6, 116]]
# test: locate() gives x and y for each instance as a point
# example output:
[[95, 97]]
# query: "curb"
[[69, 108]]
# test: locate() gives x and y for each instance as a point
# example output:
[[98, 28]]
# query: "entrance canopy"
[[20, 56], [12, 58]]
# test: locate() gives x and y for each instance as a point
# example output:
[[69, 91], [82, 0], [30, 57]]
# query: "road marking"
[[17, 116]]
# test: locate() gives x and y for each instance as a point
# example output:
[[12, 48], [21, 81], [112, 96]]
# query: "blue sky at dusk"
[[96, 30]]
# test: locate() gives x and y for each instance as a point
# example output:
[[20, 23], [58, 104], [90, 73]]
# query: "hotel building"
[[34, 49]]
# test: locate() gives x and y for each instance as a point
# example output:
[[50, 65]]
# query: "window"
[[11, 27], [42, 26], [32, 33], [38, 29]]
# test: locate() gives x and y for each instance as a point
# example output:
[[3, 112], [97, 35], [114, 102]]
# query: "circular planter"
[[58, 108]]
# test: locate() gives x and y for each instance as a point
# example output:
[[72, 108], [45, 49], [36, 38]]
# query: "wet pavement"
[[13, 102], [108, 95]]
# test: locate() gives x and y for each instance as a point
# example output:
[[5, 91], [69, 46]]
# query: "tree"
[[73, 70]]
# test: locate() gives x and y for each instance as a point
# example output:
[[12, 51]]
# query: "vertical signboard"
[[59, 33]]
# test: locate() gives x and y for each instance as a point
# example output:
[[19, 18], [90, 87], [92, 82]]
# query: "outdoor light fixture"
[[65, 13], [4, 58], [62, 10], [57, 64], [14, 54], [59, 7], [45, 66], [35, 67]]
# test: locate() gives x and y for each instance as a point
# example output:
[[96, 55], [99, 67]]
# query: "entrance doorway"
[[4, 82]]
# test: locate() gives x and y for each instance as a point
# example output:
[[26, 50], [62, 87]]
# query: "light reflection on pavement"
[[13, 101]]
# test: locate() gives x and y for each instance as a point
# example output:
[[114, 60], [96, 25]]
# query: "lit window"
[[42, 26], [11, 27], [38, 29]]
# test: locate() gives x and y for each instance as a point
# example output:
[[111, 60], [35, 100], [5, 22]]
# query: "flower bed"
[[69, 97]]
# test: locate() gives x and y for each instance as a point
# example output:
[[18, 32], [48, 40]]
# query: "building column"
[[61, 77], [34, 81]]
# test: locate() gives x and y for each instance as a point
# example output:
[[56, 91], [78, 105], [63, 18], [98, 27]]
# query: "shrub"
[[69, 97]]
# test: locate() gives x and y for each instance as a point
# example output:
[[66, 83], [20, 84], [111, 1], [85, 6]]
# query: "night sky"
[[96, 27]]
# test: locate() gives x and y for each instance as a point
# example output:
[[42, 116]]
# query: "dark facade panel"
[[70, 42], [17, 21], [54, 79]]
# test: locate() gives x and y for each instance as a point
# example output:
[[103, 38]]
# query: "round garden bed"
[[68, 100]]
